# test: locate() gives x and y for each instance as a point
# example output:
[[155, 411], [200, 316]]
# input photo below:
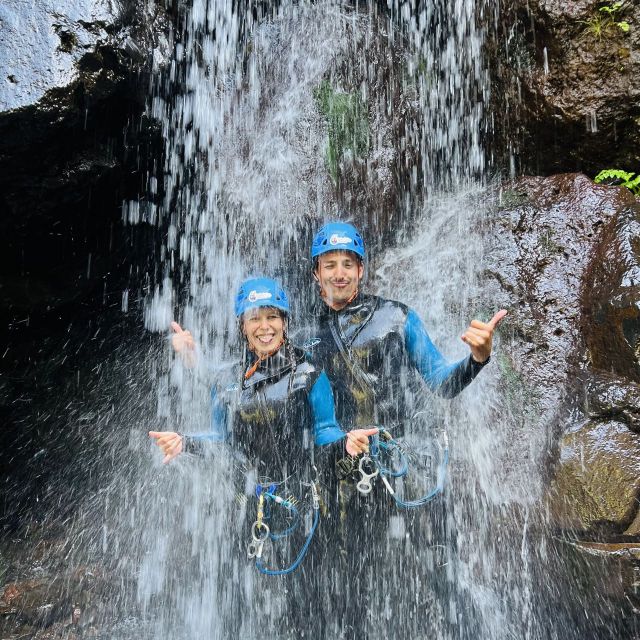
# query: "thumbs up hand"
[[183, 344], [479, 336]]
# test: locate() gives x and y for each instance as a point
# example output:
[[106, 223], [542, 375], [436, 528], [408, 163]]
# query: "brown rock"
[[598, 478], [566, 78], [567, 261], [634, 527]]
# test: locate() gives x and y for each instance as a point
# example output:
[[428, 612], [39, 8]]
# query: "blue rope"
[[434, 493], [296, 563], [404, 468], [392, 444], [296, 514]]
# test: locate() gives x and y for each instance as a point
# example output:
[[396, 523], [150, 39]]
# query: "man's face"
[[339, 274]]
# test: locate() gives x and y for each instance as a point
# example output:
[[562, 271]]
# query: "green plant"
[[621, 178], [347, 124], [607, 20], [612, 11]]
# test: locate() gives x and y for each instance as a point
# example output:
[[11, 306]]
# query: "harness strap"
[[358, 373]]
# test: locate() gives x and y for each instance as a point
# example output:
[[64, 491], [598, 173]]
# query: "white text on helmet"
[[336, 239], [257, 295]]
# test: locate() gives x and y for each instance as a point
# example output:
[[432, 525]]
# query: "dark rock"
[[611, 315], [566, 79], [538, 253], [563, 253], [610, 397], [72, 142]]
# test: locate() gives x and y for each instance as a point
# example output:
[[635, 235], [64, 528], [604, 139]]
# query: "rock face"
[[73, 144], [565, 256], [70, 104], [566, 76]]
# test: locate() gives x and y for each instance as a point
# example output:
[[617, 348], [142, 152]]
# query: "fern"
[[621, 178]]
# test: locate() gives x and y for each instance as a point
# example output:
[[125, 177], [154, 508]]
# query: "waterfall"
[[255, 161]]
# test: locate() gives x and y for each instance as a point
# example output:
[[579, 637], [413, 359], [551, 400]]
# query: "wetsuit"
[[269, 424], [264, 417], [377, 354], [374, 351]]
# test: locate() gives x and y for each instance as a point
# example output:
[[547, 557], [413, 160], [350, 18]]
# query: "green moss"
[[510, 199], [547, 244], [347, 123]]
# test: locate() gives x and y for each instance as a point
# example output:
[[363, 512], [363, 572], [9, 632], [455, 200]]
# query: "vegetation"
[[348, 125], [608, 20], [621, 178]]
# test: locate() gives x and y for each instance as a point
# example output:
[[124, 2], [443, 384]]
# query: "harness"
[[370, 467], [344, 347], [268, 500]]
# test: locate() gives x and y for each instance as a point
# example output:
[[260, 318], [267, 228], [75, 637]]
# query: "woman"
[[270, 408]]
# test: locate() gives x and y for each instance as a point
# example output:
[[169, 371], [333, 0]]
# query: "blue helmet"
[[337, 236], [260, 292]]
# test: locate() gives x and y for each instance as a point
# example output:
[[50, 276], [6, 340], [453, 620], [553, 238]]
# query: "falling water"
[[254, 163]]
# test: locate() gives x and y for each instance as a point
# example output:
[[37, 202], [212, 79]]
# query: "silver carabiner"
[[364, 485], [259, 534]]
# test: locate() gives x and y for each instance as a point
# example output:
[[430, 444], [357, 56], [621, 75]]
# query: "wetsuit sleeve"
[[197, 443], [445, 378], [325, 426]]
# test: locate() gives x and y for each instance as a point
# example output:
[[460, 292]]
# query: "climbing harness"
[[369, 467], [268, 500]]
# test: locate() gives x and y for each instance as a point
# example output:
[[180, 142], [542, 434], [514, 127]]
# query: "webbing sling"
[[358, 373]]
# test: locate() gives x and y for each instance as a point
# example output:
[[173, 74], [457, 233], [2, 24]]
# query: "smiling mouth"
[[265, 339]]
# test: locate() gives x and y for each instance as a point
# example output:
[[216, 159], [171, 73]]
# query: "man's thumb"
[[497, 318]]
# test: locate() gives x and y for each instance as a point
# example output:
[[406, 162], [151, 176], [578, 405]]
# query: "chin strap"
[[254, 367]]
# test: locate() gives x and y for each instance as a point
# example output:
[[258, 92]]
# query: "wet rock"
[[538, 251], [618, 564], [634, 527], [371, 176], [564, 257], [597, 479], [43, 595], [33, 602], [611, 313], [566, 78], [611, 397], [71, 140]]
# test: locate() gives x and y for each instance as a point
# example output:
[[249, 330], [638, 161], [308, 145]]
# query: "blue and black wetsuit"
[[270, 422], [378, 356], [375, 351], [264, 418]]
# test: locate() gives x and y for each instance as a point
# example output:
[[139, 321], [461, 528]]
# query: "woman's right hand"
[[169, 442], [183, 344], [358, 440]]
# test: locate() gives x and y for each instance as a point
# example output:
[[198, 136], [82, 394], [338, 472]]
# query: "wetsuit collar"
[[274, 366], [358, 302]]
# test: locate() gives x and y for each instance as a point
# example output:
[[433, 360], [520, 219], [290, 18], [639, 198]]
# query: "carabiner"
[[259, 533], [364, 485]]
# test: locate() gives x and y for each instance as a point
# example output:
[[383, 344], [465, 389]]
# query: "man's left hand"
[[479, 336], [358, 440]]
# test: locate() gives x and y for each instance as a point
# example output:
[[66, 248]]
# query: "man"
[[375, 351]]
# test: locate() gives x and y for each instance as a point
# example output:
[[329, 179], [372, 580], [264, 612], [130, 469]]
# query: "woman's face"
[[264, 329]]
